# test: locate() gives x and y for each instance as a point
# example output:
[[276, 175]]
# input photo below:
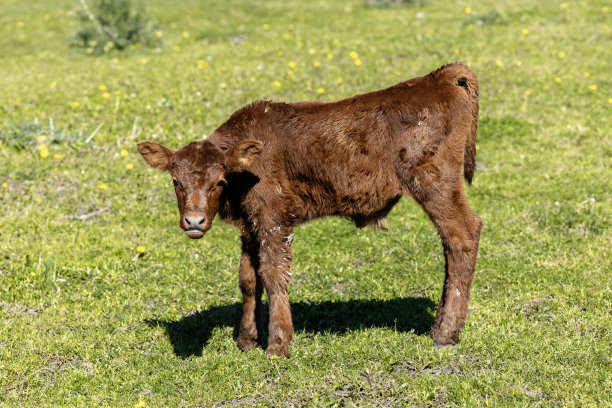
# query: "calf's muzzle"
[[194, 224]]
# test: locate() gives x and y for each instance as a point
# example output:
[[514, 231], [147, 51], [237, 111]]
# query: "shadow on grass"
[[190, 334]]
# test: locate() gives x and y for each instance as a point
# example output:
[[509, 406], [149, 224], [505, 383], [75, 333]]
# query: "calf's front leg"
[[251, 288], [275, 263]]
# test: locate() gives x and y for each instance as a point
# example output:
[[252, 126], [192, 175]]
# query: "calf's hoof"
[[444, 339], [246, 344], [278, 350]]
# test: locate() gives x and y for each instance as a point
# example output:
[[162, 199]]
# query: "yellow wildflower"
[[286, 36], [311, 51], [102, 87], [593, 87], [477, 147], [177, 48], [266, 26], [47, 17], [115, 60], [129, 166], [354, 55], [525, 31], [468, 10], [141, 249], [142, 61], [561, 54], [124, 152], [291, 73], [587, 74], [57, 156], [273, 357], [321, 90], [527, 93], [185, 34], [102, 187], [223, 85], [4, 185], [159, 34], [339, 81], [53, 84], [105, 95], [42, 147], [558, 80], [40, 138], [329, 56], [44, 153], [117, 92], [276, 83], [609, 100], [564, 5], [292, 64], [140, 404], [20, 24], [38, 200], [75, 104], [257, 48], [498, 63], [280, 53], [316, 63], [358, 62]]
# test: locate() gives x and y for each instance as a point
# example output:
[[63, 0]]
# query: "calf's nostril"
[[194, 221]]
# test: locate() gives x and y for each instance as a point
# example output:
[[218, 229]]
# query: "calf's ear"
[[155, 154], [244, 154]]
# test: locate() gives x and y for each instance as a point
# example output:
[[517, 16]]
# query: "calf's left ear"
[[155, 154], [244, 154]]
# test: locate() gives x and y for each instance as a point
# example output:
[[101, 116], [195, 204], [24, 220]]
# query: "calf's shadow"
[[190, 334]]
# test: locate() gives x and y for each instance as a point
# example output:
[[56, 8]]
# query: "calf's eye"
[[174, 182], [222, 183]]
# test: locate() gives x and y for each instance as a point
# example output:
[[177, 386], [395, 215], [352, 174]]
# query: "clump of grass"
[[389, 3], [114, 24], [492, 17], [27, 134]]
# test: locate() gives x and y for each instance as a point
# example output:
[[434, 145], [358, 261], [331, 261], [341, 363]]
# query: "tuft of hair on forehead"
[[198, 154]]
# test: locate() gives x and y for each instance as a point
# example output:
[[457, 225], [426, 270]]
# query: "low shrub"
[[113, 24]]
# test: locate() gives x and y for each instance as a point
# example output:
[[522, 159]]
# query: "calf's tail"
[[466, 78], [469, 157]]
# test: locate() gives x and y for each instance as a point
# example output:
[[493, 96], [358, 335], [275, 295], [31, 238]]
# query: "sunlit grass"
[[103, 301]]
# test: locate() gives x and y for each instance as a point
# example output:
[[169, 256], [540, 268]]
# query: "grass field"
[[88, 320]]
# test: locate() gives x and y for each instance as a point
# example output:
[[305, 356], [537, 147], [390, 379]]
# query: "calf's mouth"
[[194, 233]]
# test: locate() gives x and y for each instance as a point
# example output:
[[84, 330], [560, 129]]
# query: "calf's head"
[[198, 173]]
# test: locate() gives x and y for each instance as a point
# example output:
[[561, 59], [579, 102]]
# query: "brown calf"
[[272, 166]]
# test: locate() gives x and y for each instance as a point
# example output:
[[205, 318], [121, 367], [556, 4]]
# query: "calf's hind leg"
[[459, 228]]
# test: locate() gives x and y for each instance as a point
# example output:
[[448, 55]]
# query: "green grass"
[[87, 321]]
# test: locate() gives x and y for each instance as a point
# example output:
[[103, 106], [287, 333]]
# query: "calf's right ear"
[[155, 154], [244, 154]]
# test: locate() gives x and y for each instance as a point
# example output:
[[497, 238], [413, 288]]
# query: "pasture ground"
[[87, 320]]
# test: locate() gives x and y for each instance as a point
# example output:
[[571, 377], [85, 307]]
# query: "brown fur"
[[272, 166]]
